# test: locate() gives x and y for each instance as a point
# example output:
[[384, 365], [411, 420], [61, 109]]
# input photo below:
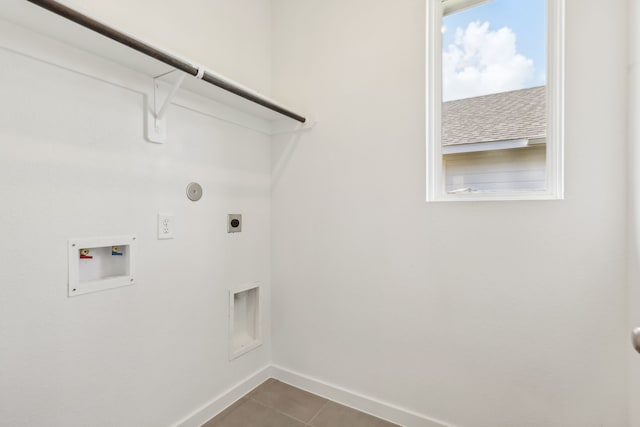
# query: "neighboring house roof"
[[515, 115]]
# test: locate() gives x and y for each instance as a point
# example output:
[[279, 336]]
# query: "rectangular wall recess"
[[244, 319], [99, 264]]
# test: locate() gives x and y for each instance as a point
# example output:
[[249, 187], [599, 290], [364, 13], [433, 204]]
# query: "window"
[[495, 99]]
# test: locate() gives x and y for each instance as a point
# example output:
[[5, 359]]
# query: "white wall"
[[73, 164], [479, 314], [232, 38], [634, 208]]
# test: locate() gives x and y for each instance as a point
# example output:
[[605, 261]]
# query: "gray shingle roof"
[[519, 114]]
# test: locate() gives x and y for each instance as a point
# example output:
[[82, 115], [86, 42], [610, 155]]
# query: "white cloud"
[[481, 61]]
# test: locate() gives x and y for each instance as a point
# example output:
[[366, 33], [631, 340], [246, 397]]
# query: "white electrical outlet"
[[165, 226]]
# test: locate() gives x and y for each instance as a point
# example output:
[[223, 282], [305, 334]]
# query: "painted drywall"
[[478, 314], [232, 38], [74, 164], [634, 208]]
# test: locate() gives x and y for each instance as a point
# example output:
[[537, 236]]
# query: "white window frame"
[[555, 107]]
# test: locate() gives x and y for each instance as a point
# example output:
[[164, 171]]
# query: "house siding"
[[513, 169]]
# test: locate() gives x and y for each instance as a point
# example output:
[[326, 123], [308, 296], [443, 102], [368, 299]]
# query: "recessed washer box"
[[101, 263], [245, 325]]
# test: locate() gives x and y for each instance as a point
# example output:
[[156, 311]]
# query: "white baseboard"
[[225, 399], [369, 405], [384, 410]]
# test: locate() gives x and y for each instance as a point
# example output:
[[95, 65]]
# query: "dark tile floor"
[[276, 404]]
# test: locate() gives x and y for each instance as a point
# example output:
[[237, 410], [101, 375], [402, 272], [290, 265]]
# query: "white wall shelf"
[[163, 70]]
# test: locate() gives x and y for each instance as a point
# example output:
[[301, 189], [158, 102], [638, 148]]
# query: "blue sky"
[[525, 18]]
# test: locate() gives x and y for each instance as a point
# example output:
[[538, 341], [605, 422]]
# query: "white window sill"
[[488, 196]]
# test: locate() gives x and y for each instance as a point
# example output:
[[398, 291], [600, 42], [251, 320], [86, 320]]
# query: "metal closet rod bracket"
[[157, 117]]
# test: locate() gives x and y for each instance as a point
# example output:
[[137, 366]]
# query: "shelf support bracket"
[[156, 120]]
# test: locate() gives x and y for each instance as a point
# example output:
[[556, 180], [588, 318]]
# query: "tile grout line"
[[326, 402], [278, 411], [251, 396], [289, 416], [237, 404]]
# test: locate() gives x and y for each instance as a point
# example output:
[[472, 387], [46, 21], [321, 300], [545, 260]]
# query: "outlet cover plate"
[[234, 223], [165, 226]]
